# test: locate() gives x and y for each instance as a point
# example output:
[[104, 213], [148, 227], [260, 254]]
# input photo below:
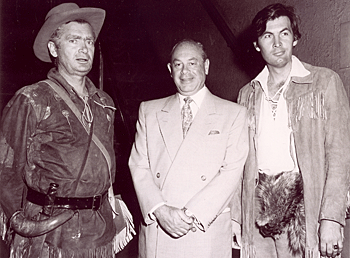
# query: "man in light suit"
[[185, 178]]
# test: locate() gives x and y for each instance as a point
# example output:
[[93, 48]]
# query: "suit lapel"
[[185, 150], [169, 120], [204, 119]]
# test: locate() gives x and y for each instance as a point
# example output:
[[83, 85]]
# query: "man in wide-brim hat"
[[48, 151], [60, 15]]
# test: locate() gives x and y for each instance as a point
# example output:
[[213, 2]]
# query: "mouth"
[[279, 53], [186, 80], [82, 60]]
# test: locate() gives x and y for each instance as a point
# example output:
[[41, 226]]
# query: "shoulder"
[[318, 72], [105, 98], [158, 103], [226, 106], [246, 92], [247, 87], [31, 99], [38, 92]]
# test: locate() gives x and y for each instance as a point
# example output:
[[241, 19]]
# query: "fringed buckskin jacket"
[[320, 120], [42, 141]]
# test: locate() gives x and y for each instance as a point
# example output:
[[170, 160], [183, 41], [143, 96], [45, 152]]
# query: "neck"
[[277, 78], [76, 81], [279, 74]]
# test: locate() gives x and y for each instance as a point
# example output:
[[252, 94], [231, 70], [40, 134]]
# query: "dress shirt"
[[198, 98]]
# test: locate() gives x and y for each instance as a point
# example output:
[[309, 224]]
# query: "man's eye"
[[72, 40], [91, 42]]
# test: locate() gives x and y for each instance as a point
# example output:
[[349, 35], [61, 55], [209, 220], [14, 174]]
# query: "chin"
[[83, 72]]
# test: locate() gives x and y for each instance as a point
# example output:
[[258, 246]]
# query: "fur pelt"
[[282, 208]]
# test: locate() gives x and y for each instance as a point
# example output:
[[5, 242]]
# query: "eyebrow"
[[74, 36], [284, 29], [191, 59]]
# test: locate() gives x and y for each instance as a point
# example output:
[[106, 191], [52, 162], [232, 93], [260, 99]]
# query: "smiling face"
[[188, 68], [277, 42], [74, 49]]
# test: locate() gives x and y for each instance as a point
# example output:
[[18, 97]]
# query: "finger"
[[183, 227], [337, 249], [176, 235], [176, 232], [330, 250], [340, 246], [185, 218], [323, 249]]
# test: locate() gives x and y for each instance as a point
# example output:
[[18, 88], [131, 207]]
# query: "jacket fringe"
[[248, 251], [348, 205], [312, 105], [48, 251], [3, 227]]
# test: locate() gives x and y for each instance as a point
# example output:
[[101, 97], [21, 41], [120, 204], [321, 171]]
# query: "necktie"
[[186, 114]]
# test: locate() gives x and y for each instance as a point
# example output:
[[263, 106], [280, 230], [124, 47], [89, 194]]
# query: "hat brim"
[[94, 16]]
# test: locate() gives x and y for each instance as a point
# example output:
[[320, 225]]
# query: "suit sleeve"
[[208, 204], [148, 193]]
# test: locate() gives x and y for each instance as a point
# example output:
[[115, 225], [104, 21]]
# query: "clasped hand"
[[173, 220]]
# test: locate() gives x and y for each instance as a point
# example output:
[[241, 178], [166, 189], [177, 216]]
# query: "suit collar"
[[169, 120]]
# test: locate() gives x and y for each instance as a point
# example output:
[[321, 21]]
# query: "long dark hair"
[[272, 12]]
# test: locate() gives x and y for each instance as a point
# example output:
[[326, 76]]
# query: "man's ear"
[[169, 68], [256, 46], [206, 66], [52, 48], [295, 42]]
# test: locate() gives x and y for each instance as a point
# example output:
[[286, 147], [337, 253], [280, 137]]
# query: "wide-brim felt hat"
[[61, 14]]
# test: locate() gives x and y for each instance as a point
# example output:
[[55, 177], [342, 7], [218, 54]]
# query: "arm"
[[148, 193], [18, 123], [337, 147], [219, 192], [153, 206]]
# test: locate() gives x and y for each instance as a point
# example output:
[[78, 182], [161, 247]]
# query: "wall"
[[320, 28]]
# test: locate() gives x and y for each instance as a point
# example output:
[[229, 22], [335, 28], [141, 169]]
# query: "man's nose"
[[277, 42], [184, 69], [83, 48]]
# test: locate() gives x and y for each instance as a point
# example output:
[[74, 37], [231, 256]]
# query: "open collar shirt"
[[276, 147]]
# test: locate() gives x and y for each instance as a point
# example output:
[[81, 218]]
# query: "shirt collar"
[[54, 75], [198, 97], [298, 70]]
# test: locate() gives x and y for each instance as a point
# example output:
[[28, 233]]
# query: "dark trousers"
[[4, 250], [346, 248], [235, 253]]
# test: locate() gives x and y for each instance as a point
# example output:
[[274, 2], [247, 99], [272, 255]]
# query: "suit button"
[[158, 175], [203, 178]]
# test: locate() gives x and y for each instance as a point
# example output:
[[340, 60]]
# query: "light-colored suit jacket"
[[201, 172]]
